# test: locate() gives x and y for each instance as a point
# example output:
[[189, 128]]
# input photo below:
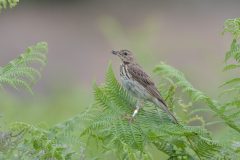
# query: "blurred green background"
[[81, 34]]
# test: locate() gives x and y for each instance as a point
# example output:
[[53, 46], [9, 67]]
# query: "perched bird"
[[139, 84]]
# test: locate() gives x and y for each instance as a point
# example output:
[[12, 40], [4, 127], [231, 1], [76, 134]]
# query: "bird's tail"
[[161, 104]]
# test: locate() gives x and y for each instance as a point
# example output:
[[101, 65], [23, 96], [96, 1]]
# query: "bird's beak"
[[114, 52]]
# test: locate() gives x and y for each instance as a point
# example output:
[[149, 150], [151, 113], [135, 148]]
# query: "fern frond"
[[231, 107], [110, 127], [231, 82], [232, 26], [38, 141], [234, 51], [231, 67], [20, 73], [233, 90], [114, 88], [171, 73], [8, 3]]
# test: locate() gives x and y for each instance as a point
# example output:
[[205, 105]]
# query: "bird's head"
[[125, 55]]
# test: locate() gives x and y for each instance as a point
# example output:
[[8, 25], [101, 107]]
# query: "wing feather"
[[141, 77]]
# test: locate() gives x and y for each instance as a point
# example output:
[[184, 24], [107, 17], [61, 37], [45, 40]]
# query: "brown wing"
[[141, 77]]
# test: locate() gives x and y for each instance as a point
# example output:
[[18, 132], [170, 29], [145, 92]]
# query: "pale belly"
[[135, 89]]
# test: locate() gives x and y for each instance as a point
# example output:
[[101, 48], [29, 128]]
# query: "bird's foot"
[[129, 118]]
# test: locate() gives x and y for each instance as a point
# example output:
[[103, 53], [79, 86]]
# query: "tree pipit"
[[138, 84]]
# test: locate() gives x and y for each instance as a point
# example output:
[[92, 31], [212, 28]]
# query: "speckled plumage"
[[139, 84]]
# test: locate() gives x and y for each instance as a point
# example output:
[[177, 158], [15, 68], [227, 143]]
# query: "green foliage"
[[232, 26], [8, 3], [231, 106], [25, 141], [114, 134], [22, 140], [23, 71], [103, 130], [117, 137], [178, 79]]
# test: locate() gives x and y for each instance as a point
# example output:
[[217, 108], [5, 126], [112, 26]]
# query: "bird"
[[137, 82]]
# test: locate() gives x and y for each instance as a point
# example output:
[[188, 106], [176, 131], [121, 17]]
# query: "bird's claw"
[[129, 118]]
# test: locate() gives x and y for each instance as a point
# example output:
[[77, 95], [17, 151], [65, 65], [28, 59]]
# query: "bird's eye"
[[125, 53]]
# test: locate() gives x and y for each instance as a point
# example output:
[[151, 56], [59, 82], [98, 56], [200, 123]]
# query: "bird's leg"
[[136, 111], [138, 107]]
